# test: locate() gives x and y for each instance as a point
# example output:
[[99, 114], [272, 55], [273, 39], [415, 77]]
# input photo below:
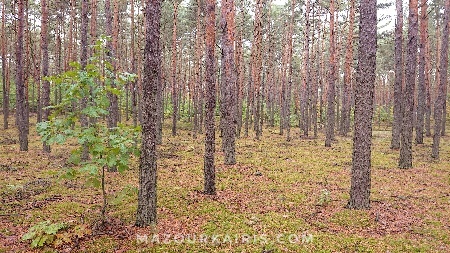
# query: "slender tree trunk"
[[228, 81], [345, 112], [257, 65], [240, 68], [134, 108], [44, 51], [405, 160], [147, 200], [307, 75], [209, 168], [197, 69], [440, 100], [283, 102], [428, 85], [398, 110], [316, 61], [331, 81], [4, 71], [113, 116], [83, 59], [21, 99], [116, 54], [421, 93], [174, 69], [364, 95], [290, 72]]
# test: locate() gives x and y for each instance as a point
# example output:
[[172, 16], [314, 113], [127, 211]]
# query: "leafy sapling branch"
[[107, 147]]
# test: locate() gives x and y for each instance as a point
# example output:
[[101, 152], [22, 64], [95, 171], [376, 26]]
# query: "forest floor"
[[280, 197]]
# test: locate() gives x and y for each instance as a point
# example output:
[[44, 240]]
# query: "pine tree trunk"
[[364, 96], [209, 168], [307, 75], [4, 71], [257, 65], [440, 100], [406, 135], [428, 85], [398, 111], [240, 68], [44, 51], [174, 69], [421, 93], [331, 81], [83, 59], [197, 69], [287, 119], [228, 81], [21, 98], [113, 116], [345, 112], [147, 199]]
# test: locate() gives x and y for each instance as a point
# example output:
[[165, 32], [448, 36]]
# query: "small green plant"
[[324, 198], [107, 147], [43, 233]]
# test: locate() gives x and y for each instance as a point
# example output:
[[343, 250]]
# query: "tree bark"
[[147, 199], [398, 86], [174, 69], [307, 76], [440, 101], [5, 82], [345, 111], [21, 98], [423, 78], [331, 81], [257, 65], [113, 116], [364, 96], [44, 51], [228, 81], [406, 136], [209, 168]]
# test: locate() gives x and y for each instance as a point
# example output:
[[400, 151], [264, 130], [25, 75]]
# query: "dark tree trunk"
[[364, 94], [398, 114], [440, 101], [406, 136], [21, 98], [146, 210], [228, 82], [174, 70], [83, 59], [331, 81], [44, 51], [5, 82], [209, 169]]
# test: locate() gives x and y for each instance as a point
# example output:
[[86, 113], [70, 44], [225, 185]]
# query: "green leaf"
[[92, 169], [28, 236], [35, 242], [93, 181]]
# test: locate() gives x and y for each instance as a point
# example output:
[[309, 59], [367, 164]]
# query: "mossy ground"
[[274, 199]]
